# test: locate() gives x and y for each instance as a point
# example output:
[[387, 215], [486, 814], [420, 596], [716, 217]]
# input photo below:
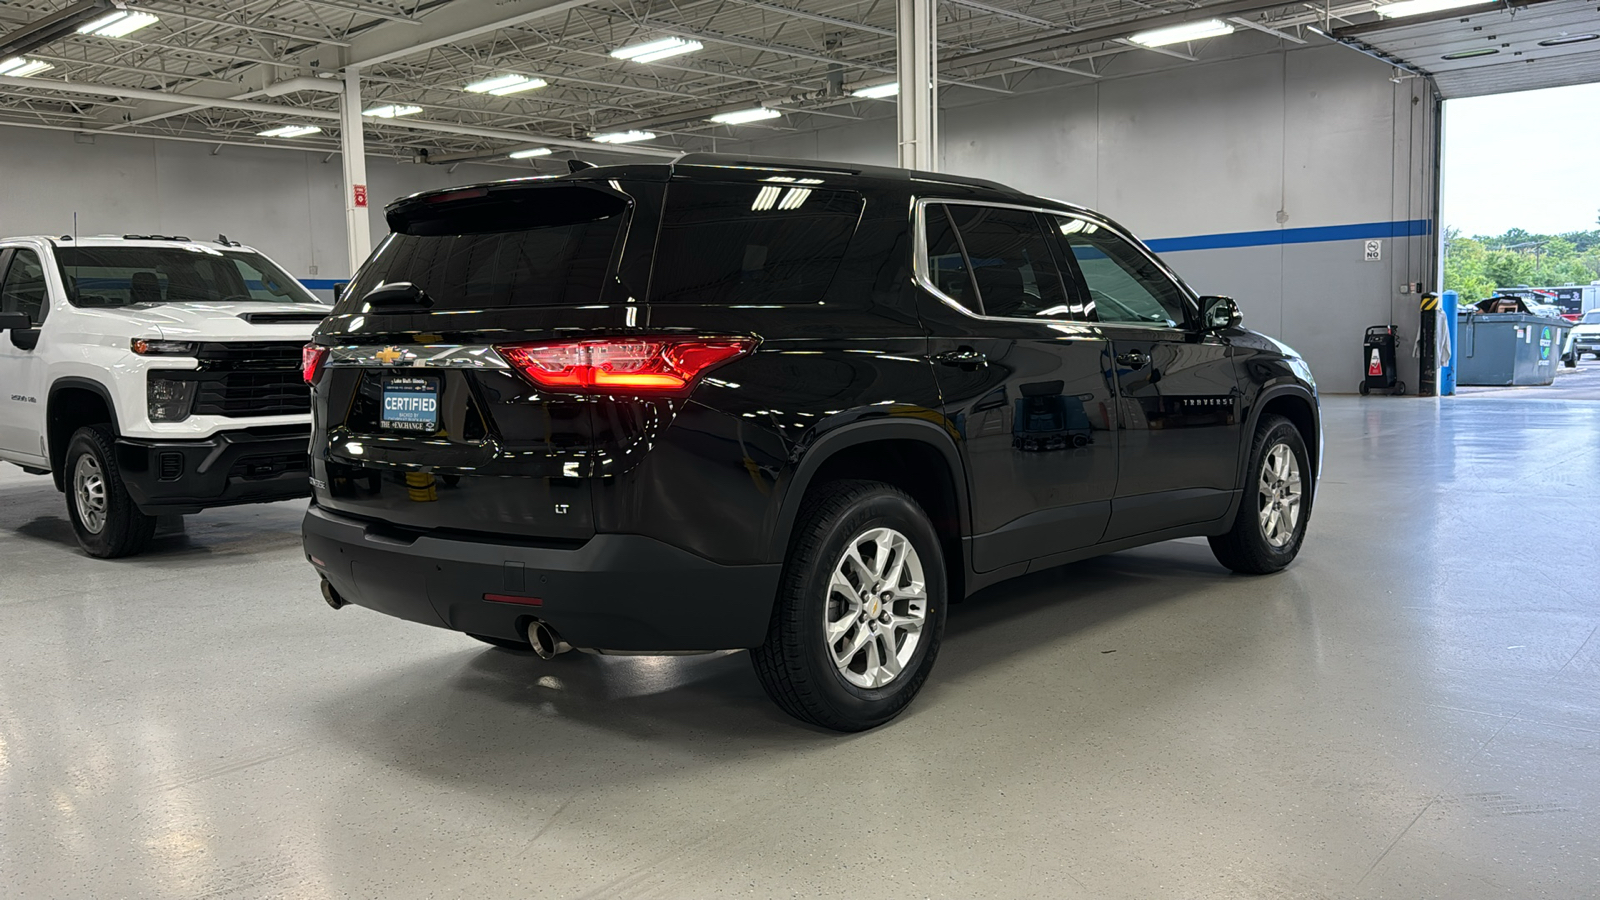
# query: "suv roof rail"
[[152, 237], [733, 160]]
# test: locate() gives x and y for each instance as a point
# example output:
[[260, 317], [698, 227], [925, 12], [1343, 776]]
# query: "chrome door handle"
[[1135, 359]]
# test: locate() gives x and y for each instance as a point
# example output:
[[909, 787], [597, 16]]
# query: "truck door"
[[22, 289]]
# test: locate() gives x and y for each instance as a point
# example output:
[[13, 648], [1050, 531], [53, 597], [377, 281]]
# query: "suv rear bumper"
[[227, 468], [622, 592]]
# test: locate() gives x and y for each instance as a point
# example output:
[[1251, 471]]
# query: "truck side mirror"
[[1219, 314], [15, 321]]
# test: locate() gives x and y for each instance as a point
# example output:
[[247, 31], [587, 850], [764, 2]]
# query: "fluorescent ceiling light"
[[624, 137], [1419, 7], [502, 85], [657, 50], [289, 131], [118, 24], [392, 112], [877, 91], [17, 67], [528, 154], [1177, 34], [745, 115]]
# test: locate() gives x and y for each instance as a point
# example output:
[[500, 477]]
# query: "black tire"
[[1399, 388], [1570, 360], [1245, 548], [503, 643], [1364, 389], [796, 663], [123, 529]]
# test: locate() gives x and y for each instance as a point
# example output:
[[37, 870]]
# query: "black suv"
[[789, 406]]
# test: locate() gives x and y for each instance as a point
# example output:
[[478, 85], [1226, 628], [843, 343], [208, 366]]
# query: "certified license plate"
[[410, 404]]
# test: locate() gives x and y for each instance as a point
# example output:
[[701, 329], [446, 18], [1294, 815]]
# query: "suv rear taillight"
[[311, 358], [656, 365]]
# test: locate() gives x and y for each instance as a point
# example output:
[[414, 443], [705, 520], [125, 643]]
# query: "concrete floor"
[[1411, 711]]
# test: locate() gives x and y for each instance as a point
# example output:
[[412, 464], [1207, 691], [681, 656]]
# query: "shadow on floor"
[[478, 720]]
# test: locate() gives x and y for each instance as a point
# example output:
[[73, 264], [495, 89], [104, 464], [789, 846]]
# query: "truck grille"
[[250, 378]]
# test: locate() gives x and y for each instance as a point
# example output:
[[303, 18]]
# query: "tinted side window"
[[24, 288], [1011, 261], [947, 265], [1124, 286], [776, 243]]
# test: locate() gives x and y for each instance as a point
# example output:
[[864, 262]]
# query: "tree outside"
[[1475, 267]]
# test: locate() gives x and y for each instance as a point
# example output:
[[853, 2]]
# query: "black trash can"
[[1377, 355]]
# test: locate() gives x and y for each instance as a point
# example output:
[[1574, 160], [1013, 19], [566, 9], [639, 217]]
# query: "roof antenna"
[[574, 166]]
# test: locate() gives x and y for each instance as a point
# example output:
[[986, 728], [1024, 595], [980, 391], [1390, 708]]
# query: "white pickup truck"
[[152, 375]]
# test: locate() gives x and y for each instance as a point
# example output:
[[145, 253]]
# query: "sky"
[[1523, 160]]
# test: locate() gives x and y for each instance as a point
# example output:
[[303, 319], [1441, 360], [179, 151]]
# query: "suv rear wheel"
[[103, 516], [1271, 523], [860, 610]]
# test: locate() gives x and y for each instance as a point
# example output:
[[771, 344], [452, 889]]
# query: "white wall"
[[287, 204], [1186, 150]]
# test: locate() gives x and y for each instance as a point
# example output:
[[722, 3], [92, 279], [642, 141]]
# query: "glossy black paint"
[[1030, 443]]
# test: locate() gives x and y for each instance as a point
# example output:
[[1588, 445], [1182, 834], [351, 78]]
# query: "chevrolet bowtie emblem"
[[388, 356]]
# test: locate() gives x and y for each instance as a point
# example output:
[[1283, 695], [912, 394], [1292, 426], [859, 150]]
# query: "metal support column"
[[352, 139], [918, 77]]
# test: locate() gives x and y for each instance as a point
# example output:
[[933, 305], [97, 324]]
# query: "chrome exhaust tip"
[[546, 643], [332, 596]]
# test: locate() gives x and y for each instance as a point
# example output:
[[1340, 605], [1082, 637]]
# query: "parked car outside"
[[1583, 338], [152, 375], [787, 406]]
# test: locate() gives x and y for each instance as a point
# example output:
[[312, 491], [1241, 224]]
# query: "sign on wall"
[[1373, 251], [361, 196]]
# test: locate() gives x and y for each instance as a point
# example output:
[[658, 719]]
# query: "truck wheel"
[[860, 609], [103, 516], [1271, 523]]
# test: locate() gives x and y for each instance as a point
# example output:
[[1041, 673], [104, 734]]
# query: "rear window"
[[547, 246], [1592, 317], [143, 276], [779, 242]]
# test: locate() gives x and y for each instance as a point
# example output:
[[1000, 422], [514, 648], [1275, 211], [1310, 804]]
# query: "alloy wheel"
[[1280, 495], [877, 607]]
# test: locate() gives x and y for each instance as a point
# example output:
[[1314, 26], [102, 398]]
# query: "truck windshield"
[[136, 276], [1592, 317]]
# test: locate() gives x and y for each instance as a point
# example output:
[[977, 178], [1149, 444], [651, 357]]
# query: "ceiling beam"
[[382, 45], [1112, 31], [163, 12], [128, 93]]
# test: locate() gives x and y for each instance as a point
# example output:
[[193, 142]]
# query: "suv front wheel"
[[1271, 523], [860, 610]]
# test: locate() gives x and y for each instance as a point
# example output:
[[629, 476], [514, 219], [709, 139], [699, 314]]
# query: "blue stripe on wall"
[[1364, 231]]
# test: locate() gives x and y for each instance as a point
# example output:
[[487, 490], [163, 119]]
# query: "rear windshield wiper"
[[399, 295]]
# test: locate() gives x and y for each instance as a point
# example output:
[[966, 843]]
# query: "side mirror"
[[1219, 314], [339, 288], [15, 321]]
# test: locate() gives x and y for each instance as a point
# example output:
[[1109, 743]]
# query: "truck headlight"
[[169, 399]]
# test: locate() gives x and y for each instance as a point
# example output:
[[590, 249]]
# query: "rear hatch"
[[421, 423]]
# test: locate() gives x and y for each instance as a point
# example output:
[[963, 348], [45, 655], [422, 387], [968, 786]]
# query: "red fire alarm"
[[361, 196]]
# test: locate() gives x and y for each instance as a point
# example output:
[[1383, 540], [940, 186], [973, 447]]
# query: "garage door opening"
[[1520, 235]]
